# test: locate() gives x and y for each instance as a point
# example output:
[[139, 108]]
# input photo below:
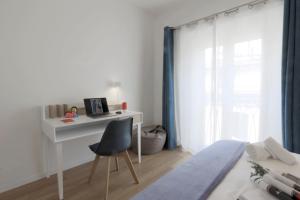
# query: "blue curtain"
[[168, 114], [291, 76]]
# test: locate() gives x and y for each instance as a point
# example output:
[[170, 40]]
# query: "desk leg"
[[59, 155], [139, 131], [46, 155]]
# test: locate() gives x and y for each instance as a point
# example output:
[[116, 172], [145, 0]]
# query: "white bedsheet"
[[237, 180]]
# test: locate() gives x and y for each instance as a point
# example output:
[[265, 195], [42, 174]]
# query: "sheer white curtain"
[[228, 77]]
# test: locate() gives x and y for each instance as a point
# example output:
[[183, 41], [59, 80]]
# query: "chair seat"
[[100, 152], [94, 147]]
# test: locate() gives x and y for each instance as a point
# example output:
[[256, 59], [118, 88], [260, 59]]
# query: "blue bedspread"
[[198, 177]]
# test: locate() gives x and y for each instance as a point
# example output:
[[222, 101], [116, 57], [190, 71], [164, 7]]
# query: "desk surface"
[[83, 119]]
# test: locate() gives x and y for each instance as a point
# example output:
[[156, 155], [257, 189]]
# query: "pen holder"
[[60, 110], [52, 111], [65, 108]]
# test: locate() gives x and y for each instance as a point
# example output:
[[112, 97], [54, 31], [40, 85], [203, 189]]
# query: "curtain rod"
[[226, 12]]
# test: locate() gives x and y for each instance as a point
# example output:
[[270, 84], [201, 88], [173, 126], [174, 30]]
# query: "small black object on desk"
[[119, 112]]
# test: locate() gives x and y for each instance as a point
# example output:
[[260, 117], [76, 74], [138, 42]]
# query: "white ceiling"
[[154, 6]]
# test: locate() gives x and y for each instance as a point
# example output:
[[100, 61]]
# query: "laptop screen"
[[96, 106]]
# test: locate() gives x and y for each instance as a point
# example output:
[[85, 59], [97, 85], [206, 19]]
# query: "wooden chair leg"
[[130, 166], [95, 163], [117, 163], [107, 177]]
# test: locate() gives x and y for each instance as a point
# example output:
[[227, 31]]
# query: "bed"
[[220, 171], [237, 180]]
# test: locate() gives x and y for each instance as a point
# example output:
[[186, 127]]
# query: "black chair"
[[114, 142]]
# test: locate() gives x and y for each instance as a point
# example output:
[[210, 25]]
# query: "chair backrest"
[[116, 137]]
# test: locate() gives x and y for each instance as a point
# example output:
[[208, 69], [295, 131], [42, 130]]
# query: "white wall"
[[60, 51], [179, 14]]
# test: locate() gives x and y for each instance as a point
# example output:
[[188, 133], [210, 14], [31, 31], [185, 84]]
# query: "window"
[[226, 87]]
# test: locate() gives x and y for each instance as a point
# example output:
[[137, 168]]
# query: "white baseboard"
[[15, 184], [30, 179]]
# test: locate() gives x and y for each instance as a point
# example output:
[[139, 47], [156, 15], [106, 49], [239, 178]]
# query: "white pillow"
[[257, 151], [278, 152]]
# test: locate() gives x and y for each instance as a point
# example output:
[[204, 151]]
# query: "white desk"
[[58, 132]]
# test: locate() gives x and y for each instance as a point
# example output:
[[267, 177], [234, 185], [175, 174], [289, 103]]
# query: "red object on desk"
[[70, 115], [67, 120], [124, 106]]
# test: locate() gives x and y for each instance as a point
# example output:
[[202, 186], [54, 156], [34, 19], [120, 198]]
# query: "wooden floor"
[[122, 185]]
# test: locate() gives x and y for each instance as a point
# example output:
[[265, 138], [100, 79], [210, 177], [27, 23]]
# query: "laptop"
[[96, 107]]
